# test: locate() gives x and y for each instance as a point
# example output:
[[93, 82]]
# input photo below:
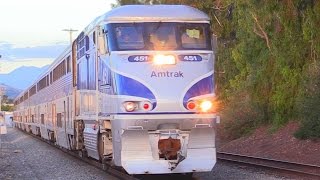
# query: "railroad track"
[[108, 168], [305, 170], [118, 173]]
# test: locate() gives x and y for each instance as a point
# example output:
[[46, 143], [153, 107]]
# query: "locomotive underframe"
[[133, 143]]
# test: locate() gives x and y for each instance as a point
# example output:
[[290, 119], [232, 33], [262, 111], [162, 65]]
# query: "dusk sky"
[[29, 27]]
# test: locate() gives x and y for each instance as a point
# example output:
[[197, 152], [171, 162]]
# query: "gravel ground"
[[24, 157], [228, 170]]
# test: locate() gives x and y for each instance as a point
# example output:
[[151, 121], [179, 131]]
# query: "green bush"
[[239, 117], [310, 129], [308, 105]]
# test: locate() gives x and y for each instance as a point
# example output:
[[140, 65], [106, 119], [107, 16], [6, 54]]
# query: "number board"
[[146, 58], [190, 58], [139, 58]]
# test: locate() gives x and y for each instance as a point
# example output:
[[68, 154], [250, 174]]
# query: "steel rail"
[[309, 170], [118, 173]]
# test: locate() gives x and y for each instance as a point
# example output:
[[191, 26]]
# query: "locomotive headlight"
[[129, 106], [160, 59], [205, 106]]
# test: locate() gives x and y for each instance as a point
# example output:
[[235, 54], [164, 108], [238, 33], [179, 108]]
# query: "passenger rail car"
[[135, 89]]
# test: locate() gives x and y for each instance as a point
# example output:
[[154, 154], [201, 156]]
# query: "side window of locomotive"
[[81, 46], [107, 43], [94, 37], [104, 75], [87, 43], [193, 37], [129, 37]]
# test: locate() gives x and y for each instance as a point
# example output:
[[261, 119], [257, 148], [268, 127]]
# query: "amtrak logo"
[[167, 74]]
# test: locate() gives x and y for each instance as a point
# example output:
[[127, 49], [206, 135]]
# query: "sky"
[[36, 25]]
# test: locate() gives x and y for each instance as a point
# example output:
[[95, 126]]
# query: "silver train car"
[[135, 90]]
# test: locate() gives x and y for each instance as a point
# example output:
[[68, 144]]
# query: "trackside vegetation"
[[268, 62]]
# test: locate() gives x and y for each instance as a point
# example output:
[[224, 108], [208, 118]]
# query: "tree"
[[268, 59]]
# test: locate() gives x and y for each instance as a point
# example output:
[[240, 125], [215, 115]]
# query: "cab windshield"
[[159, 36]]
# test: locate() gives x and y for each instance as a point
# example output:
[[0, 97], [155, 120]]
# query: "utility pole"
[[70, 33]]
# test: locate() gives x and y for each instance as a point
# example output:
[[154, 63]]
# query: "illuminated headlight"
[[129, 106], [164, 59], [205, 106], [200, 105]]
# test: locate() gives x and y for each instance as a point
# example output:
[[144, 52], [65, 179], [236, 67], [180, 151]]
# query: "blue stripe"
[[202, 87], [130, 87]]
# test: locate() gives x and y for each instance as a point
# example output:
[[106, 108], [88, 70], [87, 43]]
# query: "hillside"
[[268, 61], [22, 77], [280, 145]]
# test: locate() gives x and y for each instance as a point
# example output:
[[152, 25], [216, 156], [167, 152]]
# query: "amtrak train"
[[135, 90]]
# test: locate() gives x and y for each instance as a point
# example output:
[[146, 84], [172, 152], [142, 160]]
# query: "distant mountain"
[[9, 51], [10, 91], [22, 77]]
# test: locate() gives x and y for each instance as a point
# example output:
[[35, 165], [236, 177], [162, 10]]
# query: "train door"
[[43, 115], [33, 120], [104, 76], [65, 122], [69, 120], [60, 115], [48, 122]]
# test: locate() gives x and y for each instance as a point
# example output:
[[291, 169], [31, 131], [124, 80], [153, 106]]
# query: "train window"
[[87, 43], [59, 71], [42, 83], [32, 118], [68, 64], [193, 37], [42, 118], [51, 79], [59, 120], [80, 45], [162, 36], [25, 96], [94, 37], [32, 91], [129, 37], [159, 36]]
